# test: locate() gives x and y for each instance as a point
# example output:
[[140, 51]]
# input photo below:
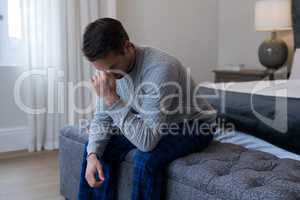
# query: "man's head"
[[106, 44]]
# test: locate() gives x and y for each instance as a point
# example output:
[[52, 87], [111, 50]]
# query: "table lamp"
[[273, 16]]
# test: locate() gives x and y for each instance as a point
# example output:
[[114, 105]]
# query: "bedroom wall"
[[238, 40], [187, 30], [13, 122], [11, 115]]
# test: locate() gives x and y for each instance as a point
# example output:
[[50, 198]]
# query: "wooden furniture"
[[223, 75]]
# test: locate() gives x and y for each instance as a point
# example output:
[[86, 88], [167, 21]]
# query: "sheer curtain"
[[53, 31]]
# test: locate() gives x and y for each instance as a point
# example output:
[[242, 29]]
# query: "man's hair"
[[103, 36]]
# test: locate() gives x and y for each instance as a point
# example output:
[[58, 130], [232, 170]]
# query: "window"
[[14, 19], [12, 44]]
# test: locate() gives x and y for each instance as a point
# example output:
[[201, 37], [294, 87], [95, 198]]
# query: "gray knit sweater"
[[158, 91]]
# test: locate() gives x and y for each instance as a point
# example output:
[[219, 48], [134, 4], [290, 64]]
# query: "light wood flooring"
[[29, 176]]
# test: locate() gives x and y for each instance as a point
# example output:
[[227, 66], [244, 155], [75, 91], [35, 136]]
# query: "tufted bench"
[[222, 171]]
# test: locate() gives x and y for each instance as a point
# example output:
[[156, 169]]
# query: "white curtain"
[[53, 30]]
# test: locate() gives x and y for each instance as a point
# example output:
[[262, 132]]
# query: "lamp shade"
[[273, 15]]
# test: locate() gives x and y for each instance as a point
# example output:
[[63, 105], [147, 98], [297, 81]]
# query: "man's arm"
[[100, 127], [143, 129], [99, 133]]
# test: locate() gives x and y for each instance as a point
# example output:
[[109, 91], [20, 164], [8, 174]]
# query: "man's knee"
[[147, 145], [146, 148], [145, 161]]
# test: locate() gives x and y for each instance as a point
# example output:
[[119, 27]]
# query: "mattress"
[[268, 110], [277, 88]]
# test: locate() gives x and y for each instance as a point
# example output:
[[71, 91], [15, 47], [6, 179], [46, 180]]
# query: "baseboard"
[[14, 139]]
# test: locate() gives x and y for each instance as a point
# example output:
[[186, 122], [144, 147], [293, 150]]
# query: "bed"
[[252, 107], [266, 114]]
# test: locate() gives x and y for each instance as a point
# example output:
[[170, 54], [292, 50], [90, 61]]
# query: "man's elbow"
[[148, 144], [147, 147]]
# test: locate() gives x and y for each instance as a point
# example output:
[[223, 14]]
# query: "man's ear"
[[127, 45]]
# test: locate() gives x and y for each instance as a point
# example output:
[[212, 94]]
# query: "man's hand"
[[105, 86], [93, 166]]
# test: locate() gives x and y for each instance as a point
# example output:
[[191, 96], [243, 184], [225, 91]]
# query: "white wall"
[[203, 34], [14, 130], [238, 40], [186, 29], [11, 115]]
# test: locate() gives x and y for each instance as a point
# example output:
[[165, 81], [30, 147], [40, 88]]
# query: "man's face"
[[114, 63]]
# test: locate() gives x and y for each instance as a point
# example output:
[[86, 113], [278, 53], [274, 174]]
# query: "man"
[[141, 91]]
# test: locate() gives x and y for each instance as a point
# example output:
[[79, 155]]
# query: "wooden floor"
[[29, 176]]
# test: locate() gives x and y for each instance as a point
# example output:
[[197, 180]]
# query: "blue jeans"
[[149, 167]]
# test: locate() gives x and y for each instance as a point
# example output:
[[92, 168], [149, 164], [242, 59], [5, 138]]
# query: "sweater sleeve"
[[142, 129], [100, 129]]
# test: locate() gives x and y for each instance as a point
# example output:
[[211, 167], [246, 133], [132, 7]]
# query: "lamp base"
[[273, 53]]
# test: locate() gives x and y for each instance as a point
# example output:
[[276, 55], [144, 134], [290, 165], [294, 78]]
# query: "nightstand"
[[243, 75]]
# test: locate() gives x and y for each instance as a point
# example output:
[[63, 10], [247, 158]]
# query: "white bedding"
[[251, 142], [278, 88]]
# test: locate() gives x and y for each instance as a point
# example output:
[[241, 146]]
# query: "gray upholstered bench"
[[222, 171]]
